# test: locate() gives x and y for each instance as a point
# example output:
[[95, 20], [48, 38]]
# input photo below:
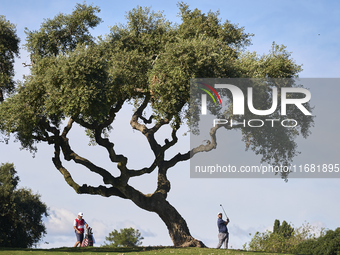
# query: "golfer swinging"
[[223, 234]]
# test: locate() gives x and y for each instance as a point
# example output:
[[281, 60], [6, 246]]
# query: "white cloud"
[[60, 221], [59, 228]]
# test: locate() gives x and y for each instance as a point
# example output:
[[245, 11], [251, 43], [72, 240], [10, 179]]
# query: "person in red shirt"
[[79, 225]]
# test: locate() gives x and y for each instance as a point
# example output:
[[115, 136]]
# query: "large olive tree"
[[76, 79]]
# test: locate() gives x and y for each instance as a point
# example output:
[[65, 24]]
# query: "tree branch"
[[84, 189], [101, 190], [104, 123], [61, 144], [148, 133], [120, 159], [69, 154], [210, 145], [138, 114]]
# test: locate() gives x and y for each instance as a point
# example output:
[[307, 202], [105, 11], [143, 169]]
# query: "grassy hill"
[[126, 251]]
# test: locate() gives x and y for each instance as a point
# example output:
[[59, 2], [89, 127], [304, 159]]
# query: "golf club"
[[224, 211]]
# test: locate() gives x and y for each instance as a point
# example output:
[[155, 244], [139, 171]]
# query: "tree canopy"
[[9, 48], [21, 212], [286, 230], [77, 79]]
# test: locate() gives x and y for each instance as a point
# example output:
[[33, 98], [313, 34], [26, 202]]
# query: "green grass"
[[126, 251]]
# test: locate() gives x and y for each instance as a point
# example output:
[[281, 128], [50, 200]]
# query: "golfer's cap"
[[80, 214], [219, 213]]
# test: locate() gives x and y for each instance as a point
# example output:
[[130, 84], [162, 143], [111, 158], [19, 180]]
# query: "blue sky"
[[309, 29]]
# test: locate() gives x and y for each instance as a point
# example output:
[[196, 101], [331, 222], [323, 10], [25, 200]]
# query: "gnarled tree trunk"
[[177, 226]]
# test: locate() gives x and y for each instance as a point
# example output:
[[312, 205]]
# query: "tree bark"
[[177, 226]]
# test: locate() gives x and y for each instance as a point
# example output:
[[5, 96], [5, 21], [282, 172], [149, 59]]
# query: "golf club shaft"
[[224, 211]]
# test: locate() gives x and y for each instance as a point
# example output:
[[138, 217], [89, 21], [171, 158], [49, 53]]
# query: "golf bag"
[[88, 240]]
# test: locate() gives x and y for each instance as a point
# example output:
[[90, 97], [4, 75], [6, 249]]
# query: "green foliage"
[[328, 244], [148, 58], [74, 75], [21, 212], [126, 237], [277, 64], [9, 48], [276, 226], [63, 33], [197, 24], [284, 238], [285, 230]]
